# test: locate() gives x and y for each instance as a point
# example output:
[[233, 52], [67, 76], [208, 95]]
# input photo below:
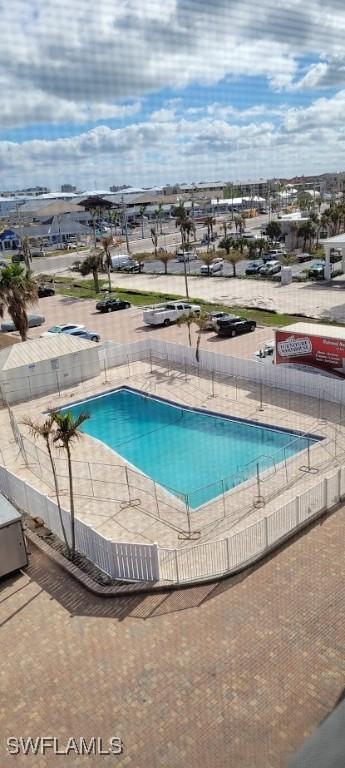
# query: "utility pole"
[[124, 211]]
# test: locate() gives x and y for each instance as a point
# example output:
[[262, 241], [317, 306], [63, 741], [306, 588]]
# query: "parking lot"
[[127, 325]]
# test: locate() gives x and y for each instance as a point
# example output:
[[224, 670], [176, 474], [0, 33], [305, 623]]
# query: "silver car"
[[34, 321]]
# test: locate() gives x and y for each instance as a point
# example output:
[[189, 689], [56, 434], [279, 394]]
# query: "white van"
[[215, 267], [119, 261]]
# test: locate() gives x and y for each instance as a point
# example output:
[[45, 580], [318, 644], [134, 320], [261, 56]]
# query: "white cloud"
[[64, 57], [161, 151]]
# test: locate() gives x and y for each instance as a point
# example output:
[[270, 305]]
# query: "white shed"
[[45, 365], [13, 553]]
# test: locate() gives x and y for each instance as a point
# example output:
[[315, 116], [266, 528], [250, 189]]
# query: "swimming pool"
[[183, 449]]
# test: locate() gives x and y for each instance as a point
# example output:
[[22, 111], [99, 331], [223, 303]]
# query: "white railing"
[[149, 562], [123, 561], [227, 555]]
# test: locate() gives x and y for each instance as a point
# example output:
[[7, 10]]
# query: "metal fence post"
[[212, 378], [128, 486], [58, 383], [228, 552], [266, 531], [261, 401], [224, 509], [176, 567], [157, 504], [91, 481], [297, 510], [325, 493]]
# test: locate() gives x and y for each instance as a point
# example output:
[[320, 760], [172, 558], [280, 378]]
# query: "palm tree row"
[[186, 226], [61, 430]]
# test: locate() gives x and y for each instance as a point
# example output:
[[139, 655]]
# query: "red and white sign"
[[306, 350]]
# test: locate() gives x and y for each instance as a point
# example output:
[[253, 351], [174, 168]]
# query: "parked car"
[[212, 319], [45, 290], [185, 255], [317, 270], [119, 261], [273, 253], [270, 268], [253, 267], [335, 255], [131, 266], [302, 257], [35, 252], [17, 258], [214, 268], [248, 236], [33, 320], [70, 247], [84, 334], [112, 305], [233, 325], [63, 329], [266, 353]]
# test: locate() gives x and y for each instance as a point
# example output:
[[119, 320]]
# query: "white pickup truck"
[[168, 313]]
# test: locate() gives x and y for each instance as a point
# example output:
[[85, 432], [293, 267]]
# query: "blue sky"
[[149, 92]]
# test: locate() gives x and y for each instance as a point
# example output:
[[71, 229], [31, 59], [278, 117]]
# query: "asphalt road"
[[170, 240]]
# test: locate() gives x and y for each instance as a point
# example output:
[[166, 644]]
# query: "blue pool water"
[[187, 451]]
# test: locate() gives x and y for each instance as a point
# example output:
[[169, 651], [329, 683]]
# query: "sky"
[[150, 92]]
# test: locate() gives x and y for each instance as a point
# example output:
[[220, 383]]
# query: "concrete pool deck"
[[100, 476]]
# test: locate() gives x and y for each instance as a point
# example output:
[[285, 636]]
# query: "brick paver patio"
[[233, 674]]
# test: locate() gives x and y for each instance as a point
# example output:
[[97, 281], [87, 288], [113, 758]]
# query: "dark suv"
[[233, 325]]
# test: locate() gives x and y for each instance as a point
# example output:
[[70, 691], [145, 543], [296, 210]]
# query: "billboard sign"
[[308, 351]]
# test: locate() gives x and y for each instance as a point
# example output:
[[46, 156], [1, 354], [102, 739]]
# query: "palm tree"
[[294, 233], [142, 210], [154, 238], [180, 215], [273, 230], [113, 219], [306, 231], [288, 259], [261, 245], [27, 252], [233, 257], [200, 320], [210, 222], [207, 258], [67, 432], [46, 432], [224, 227], [158, 214], [92, 264], [181, 218], [106, 243], [315, 219], [189, 228], [164, 256], [18, 290], [239, 224]]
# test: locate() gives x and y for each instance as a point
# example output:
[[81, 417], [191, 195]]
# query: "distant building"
[[9, 240], [68, 188]]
